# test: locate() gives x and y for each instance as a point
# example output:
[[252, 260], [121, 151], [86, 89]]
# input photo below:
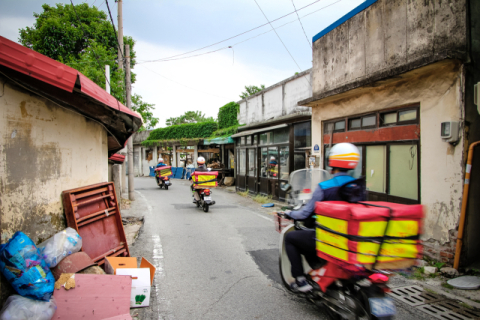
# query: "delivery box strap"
[[201, 182], [365, 254], [366, 239]]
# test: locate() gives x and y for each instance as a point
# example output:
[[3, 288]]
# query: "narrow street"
[[217, 265]]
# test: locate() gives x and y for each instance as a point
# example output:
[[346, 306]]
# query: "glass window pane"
[[299, 161], [303, 136], [242, 141], [281, 135], [389, 118], [355, 123], [272, 163], [328, 127], [264, 163], [249, 140], [242, 162], [284, 163], [252, 172], [369, 121], [357, 173], [263, 138], [403, 171], [255, 139], [375, 168], [407, 115], [340, 125]]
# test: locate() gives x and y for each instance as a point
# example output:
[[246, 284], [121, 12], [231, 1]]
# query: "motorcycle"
[[205, 199], [343, 291], [163, 182]]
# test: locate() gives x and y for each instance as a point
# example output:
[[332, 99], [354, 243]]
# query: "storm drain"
[[433, 304]]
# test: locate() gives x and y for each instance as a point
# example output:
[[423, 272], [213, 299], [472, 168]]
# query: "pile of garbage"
[[216, 165], [56, 280]]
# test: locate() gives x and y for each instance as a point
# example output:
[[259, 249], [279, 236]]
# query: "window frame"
[[399, 123], [362, 127]]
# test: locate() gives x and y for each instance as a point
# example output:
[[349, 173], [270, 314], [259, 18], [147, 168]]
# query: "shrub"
[[227, 115], [226, 132], [184, 131]]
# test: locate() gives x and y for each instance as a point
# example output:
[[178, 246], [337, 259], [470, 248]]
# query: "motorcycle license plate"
[[382, 307], [207, 198]]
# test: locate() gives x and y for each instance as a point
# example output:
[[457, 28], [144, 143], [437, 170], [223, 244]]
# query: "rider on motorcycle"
[[160, 163], [342, 158], [201, 167]]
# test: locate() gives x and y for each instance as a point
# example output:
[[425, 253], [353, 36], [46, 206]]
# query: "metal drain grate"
[[414, 295], [435, 305]]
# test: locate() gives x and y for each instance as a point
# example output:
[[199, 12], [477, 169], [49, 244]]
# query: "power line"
[[115, 32], [235, 44], [211, 45], [211, 94], [278, 36], [86, 38], [301, 25]]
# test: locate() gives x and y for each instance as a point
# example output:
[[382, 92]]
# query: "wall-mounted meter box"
[[476, 96], [449, 131]]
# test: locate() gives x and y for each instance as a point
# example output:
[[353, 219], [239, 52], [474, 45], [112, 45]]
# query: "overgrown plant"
[[227, 115], [184, 131]]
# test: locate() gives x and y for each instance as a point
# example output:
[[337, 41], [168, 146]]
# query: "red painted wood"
[[95, 297], [121, 317], [398, 133]]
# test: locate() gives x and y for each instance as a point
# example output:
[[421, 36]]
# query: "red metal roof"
[[36, 65], [117, 158]]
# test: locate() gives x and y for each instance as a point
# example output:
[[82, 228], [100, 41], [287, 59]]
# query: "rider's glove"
[[287, 214]]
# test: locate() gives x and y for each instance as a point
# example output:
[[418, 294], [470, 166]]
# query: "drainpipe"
[[466, 186]]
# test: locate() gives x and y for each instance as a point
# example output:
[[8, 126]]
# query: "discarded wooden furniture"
[[94, 212]]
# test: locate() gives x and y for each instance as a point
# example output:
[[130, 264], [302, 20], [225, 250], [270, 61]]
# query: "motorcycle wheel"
[[287, 285], [160, 186], [366, 305], [166, 187], [335, 316], [205, 207]]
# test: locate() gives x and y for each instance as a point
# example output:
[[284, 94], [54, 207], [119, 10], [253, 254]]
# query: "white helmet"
[[160, 160], [272, 158], [201, 160], [343, 155]]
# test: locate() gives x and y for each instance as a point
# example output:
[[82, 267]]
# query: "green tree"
[[88, 47], [251, 90], [189, 117], [145, 109]]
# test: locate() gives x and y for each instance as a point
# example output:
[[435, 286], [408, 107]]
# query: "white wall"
[[44, 150]]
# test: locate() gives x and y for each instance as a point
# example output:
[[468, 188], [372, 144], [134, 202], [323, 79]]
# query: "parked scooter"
[[343, 291]]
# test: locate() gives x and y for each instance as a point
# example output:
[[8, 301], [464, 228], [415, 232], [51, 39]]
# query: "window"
[[255, 139], [335, 126], [339, 126], [242, 159], [265, 138], [264, 163], [299, 161], [242, 141], [375, 169], [249, 140], [252, 172], [399, 117], [302, 135], [281, 135], [284, 163], [273, 164], [403, 171], [365, 122]]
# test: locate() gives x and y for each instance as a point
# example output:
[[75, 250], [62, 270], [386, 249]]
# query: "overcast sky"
[[165, 28]]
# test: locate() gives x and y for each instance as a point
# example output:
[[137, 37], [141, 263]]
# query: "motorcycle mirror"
[[286, 187]]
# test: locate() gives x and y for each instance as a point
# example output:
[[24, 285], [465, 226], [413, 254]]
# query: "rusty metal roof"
[[38, 66]]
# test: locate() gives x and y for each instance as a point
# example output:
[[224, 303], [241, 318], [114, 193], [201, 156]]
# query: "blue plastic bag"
[[23, 266]]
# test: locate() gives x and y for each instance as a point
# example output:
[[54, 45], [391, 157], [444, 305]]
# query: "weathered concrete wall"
[[44, 149], [278, 100], [388, 38], [438, 89]]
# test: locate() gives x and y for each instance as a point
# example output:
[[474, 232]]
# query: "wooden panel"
[[185, 150], [241, 183], [264, 186], [408, 132], [94, 297], [251, 183], [212, 150]]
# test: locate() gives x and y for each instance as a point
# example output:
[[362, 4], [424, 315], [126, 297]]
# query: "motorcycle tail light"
[[207, 192], [166, 179], [307, 190], [378, 278]]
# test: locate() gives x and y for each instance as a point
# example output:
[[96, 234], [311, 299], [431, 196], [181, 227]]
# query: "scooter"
[[163, 182], [205, 199], [343, 291]]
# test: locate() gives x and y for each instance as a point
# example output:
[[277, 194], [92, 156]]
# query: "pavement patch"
[[267, 261], [183, 206]]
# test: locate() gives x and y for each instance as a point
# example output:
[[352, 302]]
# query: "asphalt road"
[[217, 265]]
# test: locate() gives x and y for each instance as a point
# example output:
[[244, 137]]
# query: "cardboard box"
[[142, 278]]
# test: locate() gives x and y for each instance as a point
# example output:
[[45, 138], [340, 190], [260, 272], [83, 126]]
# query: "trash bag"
[[59, 246], [23, 266], [19, 308]]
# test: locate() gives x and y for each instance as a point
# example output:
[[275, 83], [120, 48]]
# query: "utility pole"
[[128, 90], [120, 34], [107, 78]]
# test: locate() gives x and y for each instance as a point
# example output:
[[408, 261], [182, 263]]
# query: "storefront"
[[266, 156]]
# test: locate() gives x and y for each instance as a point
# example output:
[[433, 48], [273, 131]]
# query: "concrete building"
[[385, 77], [57, 131], [275, 136]]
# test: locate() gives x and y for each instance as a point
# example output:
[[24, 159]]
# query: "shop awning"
[[249, 132], [226, 140]]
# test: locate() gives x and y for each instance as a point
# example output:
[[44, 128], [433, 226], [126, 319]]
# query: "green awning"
[[226, 140]]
